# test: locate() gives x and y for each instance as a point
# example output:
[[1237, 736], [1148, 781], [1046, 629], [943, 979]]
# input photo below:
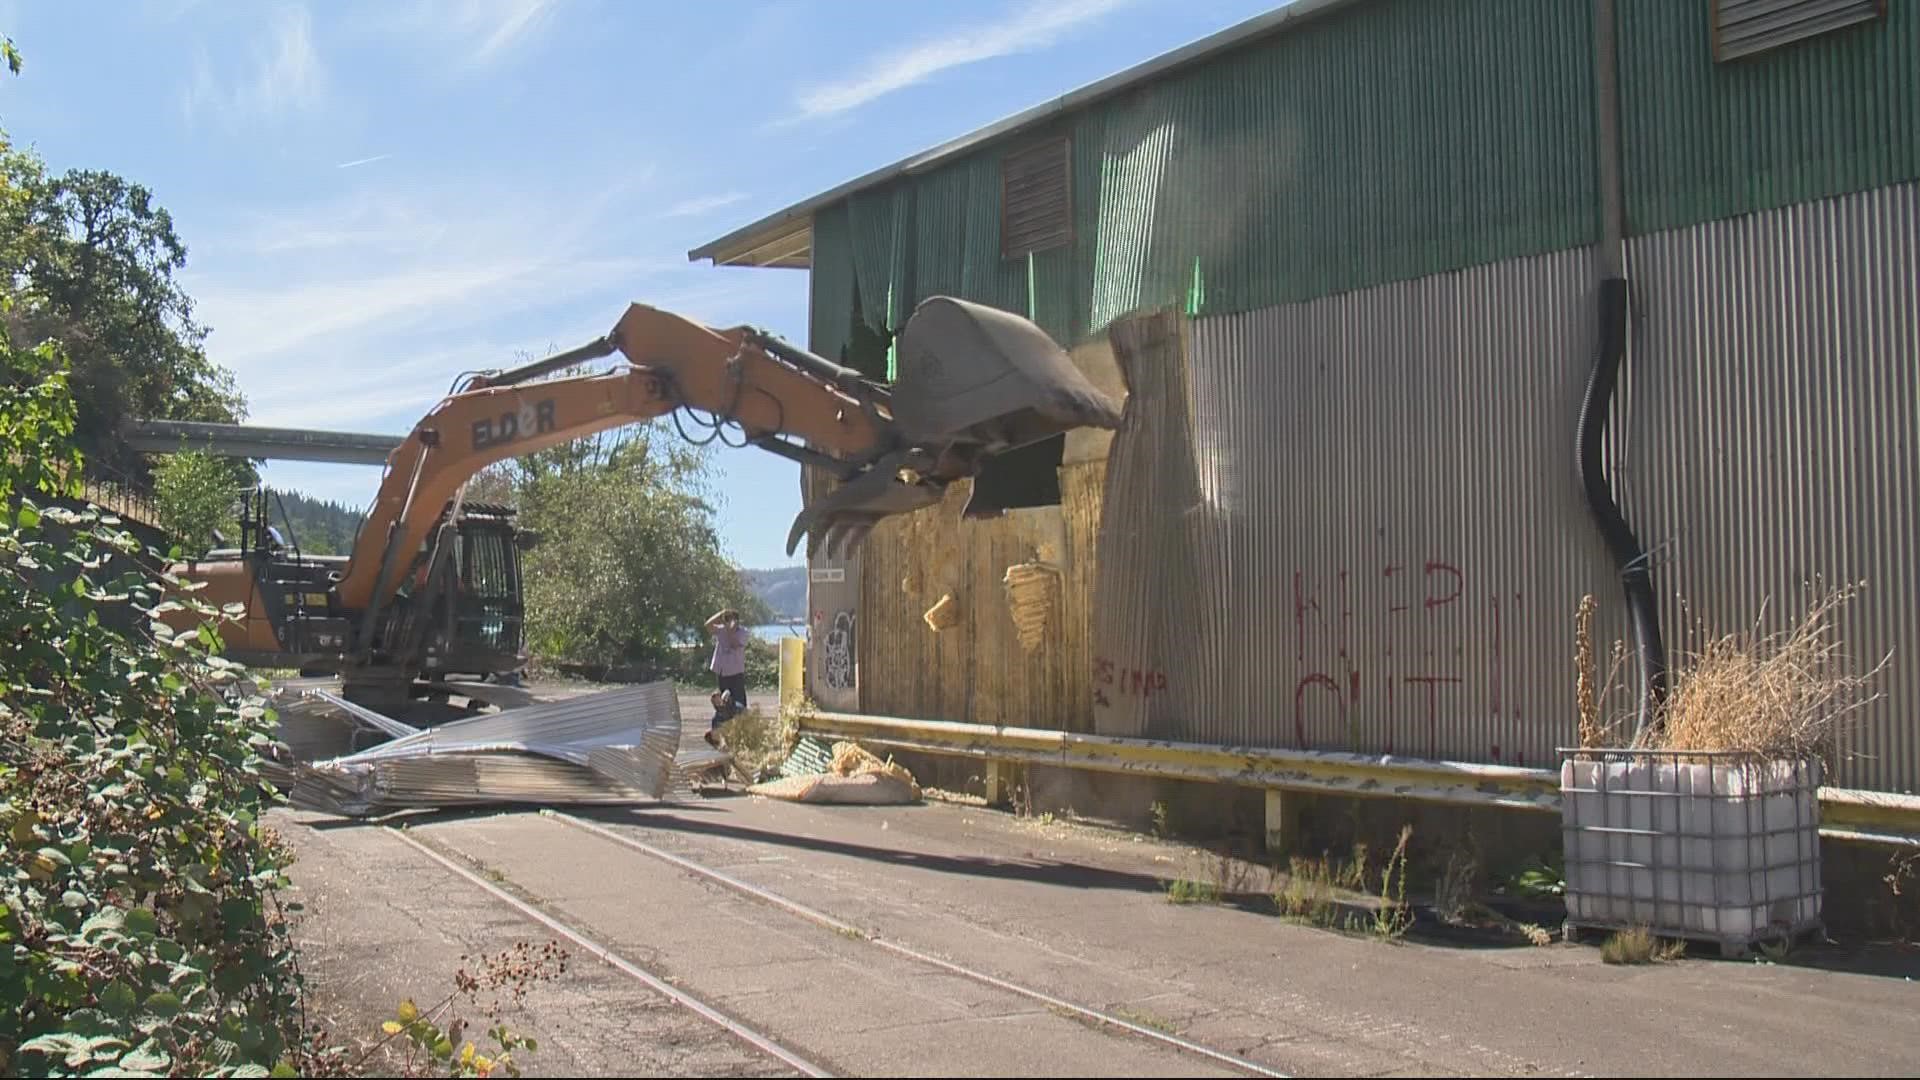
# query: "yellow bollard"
[[793, 667]]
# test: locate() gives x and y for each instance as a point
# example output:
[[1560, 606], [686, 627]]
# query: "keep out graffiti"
[[1353, 690]]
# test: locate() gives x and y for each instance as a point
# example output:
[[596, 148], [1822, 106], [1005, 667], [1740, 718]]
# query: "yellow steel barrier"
[[793, 659], [1845, 814]]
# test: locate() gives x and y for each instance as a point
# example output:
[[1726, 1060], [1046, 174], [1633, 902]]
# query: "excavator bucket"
[[977, 375], [843, 517], [973, 381]]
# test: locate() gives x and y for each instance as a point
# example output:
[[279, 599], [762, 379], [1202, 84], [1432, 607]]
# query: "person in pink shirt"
[[729, 663]]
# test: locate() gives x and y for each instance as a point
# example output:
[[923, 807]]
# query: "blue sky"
[[377, 196]]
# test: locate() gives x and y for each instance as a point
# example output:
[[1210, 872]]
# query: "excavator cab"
[[973, 382], [459, 606], [486, 627]]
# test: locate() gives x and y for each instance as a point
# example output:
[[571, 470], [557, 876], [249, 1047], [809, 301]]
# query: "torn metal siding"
[[1834, 114], [830, 287], [882, 225], [1775, 421], [956, 249], [938, 234], [1352, 524], [833, 584]]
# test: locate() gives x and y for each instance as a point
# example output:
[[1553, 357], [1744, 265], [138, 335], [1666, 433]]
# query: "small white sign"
[[828, 574]]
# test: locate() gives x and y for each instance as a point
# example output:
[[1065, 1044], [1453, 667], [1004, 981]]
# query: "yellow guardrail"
[[1845, 814]]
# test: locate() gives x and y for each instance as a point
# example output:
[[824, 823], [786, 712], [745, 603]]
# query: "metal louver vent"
[[1036, 199], [1745, 27]]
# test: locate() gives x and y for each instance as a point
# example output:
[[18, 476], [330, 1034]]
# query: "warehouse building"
[[1354, 265]]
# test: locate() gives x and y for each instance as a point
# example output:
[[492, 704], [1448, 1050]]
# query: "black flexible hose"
[[1636, 572]]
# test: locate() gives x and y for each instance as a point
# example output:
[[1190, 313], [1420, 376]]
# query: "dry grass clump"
[[1787, 694], [1308, 894], [1598, 728], [757, 740], [1639, 946], [1782, 695], [1584, 696]]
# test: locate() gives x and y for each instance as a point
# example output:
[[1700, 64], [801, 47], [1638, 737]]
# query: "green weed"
[[1393, 918], [1188, 891]]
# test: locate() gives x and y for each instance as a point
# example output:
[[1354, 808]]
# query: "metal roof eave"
[[777, 232]]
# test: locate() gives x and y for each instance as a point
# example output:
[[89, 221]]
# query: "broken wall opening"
[[1019, 479], [867, 351]]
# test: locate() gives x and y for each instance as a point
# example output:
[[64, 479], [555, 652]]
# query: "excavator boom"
[[974, 381]]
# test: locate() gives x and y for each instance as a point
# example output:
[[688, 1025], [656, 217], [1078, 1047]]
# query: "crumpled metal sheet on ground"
[[612, 747], [315, 724]]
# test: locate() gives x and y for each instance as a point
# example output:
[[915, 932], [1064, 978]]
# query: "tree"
[[629, 561], [90, 259], [139, 929], [316, 526], [194, 494]]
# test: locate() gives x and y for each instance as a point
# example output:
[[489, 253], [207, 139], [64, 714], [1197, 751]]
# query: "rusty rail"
[[1846, 814]]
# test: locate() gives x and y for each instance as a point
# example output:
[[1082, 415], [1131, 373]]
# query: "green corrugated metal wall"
[[1324, 159], [1831, 115], [1389, 141], [1397, 140]]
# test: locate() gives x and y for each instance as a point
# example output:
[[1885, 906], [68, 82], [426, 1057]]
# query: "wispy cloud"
[[1036, 25], [253, 327], [371, 286], [705, 204], [286, 75], [480, 31], [503, 22], [357, 162]]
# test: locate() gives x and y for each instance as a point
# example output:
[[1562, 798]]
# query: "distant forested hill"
[[784, 589], [319, 527]]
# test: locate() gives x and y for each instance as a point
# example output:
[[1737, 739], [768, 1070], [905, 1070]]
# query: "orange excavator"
[[432, 585]]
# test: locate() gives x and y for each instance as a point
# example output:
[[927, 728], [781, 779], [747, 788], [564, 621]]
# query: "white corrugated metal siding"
[[1353, 523], [1775, 425]]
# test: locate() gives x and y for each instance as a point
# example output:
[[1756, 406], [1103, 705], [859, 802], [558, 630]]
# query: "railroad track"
[[763, 1043], [532, 903]]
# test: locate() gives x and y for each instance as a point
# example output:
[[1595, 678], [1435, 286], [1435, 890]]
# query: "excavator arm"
[[973, 382]]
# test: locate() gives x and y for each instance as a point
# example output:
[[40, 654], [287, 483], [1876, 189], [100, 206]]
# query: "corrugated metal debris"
[[613, 747], [810, 756]]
